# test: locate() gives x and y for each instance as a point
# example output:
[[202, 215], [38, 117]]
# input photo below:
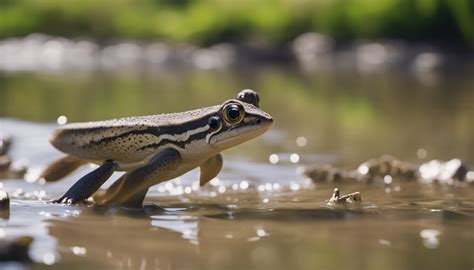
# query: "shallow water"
[[257, 215]]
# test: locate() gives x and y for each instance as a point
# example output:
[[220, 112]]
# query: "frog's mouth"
[[240, 134]]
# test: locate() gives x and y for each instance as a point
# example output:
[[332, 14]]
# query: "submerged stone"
[[4, 205], [386, 168], [5, 142], [9, 169], [15, 249]]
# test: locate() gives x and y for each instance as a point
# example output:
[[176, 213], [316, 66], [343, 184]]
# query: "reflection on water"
[[407, 229], [260, 213]]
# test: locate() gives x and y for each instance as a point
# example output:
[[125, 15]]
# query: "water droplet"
[[268, 186], [421, 153], [387, 179], [49, 258], [215, 182], [301, 141], [62, 120], [188, 190], [294, 158], [385, 242], [429, 233], [261, 232], [244, 185], [470, 176], [169, 186], [221, 189], [253, 239], [266, 200], [294, 186], [430, 238], [195, 185], [80, 251], [273, 158], [363, 169]]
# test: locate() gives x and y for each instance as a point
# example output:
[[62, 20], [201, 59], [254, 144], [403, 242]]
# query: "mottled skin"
[[153, 149]]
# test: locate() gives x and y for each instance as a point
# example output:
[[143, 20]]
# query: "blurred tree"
[[272, 21]]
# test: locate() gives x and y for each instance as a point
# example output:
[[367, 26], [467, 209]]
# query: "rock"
[[4, 163], [5, 142], [15, 249], [4, 200], [443, 172], [378, 168], [325, 173], [4, 205], [11, 170]]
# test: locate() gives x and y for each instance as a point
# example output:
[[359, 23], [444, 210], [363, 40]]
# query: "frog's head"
[[236, 122]]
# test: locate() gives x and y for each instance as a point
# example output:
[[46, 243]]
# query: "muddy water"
[[256, 215]]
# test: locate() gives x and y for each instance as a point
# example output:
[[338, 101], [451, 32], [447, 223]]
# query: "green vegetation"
[[269, 21]]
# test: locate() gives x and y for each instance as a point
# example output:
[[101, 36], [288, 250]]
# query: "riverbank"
[[309, 51]]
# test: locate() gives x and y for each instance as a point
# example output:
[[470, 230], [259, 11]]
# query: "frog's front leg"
[[131, 188], [88, 184], [210, 169]]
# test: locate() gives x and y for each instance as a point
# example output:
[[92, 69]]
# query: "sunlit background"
[[345, 81]]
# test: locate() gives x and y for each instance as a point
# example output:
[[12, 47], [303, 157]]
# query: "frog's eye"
[[249, 96], [233, 114], [214, 123]]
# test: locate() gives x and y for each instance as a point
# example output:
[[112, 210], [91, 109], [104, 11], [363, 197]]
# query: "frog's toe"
[[66, 200]]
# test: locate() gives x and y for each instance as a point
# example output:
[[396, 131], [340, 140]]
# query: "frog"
[[152, 149]]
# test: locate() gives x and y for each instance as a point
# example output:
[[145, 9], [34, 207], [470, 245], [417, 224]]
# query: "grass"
[[272, 22]]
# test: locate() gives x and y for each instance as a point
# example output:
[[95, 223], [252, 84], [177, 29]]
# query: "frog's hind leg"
[[61, 167], [131, 188], [88, 184]]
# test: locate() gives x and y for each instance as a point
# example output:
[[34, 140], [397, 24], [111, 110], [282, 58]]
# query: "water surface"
[[256, 215]]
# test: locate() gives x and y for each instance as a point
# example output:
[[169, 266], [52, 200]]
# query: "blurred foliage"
[[270, 21]]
